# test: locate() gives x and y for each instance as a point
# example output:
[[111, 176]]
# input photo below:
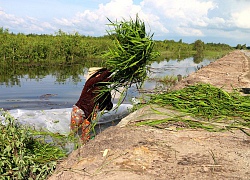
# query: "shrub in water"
[[23, 156]]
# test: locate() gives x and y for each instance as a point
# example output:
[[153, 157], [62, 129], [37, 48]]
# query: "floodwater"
[[47, 92]]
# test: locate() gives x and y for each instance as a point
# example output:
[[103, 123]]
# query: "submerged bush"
[[22, 155]]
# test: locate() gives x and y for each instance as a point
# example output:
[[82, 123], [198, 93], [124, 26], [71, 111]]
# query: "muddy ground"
[[128, 152]]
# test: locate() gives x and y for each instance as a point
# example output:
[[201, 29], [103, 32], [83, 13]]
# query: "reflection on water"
[[41, 94], [46, 87], [173, 68]]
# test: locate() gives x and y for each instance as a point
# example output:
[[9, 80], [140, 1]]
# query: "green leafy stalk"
[[132, 51]]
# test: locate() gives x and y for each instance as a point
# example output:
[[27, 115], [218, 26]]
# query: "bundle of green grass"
[[133, 50]]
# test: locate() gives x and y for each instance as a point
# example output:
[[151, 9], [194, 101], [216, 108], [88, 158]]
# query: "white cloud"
[[164, 18], [216, 22], [180, 16], [27, 24], [64, 22], [47, 25], [94, 22], [185, 31], [241, 18], [10, 19], [182, 9], [118, 9]]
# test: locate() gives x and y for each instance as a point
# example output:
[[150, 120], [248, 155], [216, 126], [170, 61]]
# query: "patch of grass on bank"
[[162, 83], [22, 155], [168, 80], [215, 54], [213, 108]]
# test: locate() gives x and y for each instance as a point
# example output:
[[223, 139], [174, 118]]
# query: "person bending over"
[[91, 101]]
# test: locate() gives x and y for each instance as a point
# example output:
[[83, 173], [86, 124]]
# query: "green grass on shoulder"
[[212, 107]]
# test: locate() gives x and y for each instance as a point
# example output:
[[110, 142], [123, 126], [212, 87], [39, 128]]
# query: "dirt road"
[[127, 152], [230, 72]]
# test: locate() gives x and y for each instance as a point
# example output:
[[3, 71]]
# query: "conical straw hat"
[[92, 71]]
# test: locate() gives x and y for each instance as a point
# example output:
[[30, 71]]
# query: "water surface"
[[62, 88]]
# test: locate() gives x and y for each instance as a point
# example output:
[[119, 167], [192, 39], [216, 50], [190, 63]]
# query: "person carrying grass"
[[91, 101]]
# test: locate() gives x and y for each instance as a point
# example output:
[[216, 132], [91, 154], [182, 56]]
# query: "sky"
[[212, 21]]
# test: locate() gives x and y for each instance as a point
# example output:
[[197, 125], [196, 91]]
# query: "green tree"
[[238, 46], [244, 46], [199, 46]]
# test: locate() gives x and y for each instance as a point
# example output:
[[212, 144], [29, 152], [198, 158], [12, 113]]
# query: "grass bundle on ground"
[[207, 101], [133, 50], [201, 106], [22, 155]]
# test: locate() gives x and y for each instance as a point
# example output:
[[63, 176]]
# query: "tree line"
[[197, 46], [73, 48], [39, 55], [61, 47], [242, 47]]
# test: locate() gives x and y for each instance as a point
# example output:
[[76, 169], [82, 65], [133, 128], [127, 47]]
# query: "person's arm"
[[105, 101], [102, 77]]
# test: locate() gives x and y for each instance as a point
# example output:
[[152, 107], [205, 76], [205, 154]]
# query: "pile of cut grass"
[[207, 101], [210, 104]]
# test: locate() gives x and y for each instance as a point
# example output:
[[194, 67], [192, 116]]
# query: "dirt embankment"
[[230, 72], [127, 152]]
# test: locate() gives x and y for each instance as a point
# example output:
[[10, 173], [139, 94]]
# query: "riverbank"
[[229, 73], [129, 152]]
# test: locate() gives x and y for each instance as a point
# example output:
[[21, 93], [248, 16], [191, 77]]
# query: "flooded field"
[[55, 89]]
